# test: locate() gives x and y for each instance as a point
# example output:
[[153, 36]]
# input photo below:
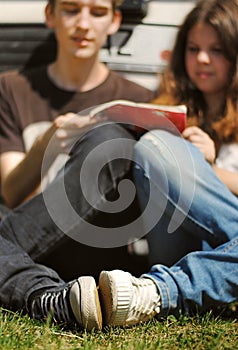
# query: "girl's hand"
[[202, 141]]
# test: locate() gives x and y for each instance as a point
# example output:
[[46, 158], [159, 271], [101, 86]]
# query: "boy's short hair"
[[115, 3]]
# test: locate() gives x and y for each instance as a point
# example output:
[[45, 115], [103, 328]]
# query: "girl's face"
[[206, 65]]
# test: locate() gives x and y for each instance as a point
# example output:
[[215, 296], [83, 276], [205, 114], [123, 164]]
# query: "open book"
[[143, 115]]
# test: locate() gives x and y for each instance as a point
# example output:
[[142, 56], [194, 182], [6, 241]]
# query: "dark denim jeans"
[[39, 251]]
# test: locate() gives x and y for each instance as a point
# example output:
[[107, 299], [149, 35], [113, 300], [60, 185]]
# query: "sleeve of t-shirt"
[[10, 131], [228, 157]]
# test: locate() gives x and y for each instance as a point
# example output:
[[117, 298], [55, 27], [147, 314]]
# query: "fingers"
[[196, 135], [67, 128], [193, 131], [62, 120], [72, 124], [202, 141]]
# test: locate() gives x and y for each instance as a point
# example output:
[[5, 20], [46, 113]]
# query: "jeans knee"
[[110, 135]]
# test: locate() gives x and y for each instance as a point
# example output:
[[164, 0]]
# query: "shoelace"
[[54, 303], [146, 301]]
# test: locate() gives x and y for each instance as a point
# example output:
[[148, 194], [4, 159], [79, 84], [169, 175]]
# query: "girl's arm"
[[229, 178], [205, 144]]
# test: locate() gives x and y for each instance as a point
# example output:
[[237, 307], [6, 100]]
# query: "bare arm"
[[21, 173], [206, 145], [229, 178], [21, 181]]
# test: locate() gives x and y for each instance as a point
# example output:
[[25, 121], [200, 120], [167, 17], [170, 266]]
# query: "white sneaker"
[[127, 300]]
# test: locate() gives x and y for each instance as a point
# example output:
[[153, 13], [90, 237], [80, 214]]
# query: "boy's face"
[[82, 26]]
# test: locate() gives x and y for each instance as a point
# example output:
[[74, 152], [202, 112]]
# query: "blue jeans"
[[192, 224], [36, 252]]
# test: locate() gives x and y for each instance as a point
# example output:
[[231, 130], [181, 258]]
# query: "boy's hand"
[[65, 131]]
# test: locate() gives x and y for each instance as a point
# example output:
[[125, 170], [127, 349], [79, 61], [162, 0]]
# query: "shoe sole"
[[116, 292], [85, 304]]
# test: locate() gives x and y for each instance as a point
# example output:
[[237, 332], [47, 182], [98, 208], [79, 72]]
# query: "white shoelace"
[[145, 302], [53, 303]]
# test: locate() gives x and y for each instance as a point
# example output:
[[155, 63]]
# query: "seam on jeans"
[[230, 245], [190, 217]]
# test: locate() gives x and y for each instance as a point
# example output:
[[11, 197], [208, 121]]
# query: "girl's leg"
[[199, 281], [185, 202]]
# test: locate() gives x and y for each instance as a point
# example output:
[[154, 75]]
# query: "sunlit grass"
[[18, 331]]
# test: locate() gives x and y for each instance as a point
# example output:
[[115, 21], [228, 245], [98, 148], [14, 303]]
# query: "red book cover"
[[143, 115]]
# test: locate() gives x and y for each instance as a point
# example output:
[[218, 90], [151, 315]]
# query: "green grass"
[[18, 331]]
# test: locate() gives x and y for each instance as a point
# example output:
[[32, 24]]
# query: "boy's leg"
[[30, 232], [42, 293], [20, 275], [4, 211]]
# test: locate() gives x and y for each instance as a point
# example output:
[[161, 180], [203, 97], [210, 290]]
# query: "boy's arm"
[[21, 173]]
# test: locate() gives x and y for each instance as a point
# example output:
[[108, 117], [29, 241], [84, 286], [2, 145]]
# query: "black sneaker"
[[76, 302]]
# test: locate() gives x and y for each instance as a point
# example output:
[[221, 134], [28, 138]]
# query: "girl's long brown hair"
[[176, 87]]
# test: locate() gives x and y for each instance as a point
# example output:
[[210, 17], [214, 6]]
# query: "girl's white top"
[[228, 157]]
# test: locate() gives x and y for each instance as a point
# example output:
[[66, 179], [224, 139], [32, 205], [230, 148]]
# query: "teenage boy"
[[38, 102], [47, 98]]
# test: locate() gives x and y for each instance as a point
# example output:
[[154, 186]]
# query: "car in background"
[[140, 50]]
